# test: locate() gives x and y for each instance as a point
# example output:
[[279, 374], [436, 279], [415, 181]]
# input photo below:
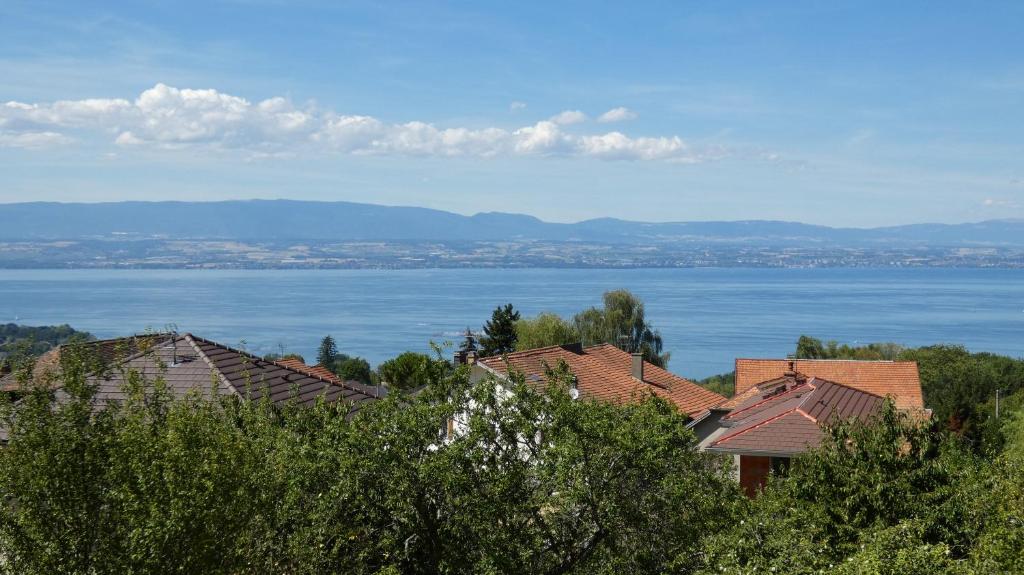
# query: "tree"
[[327, 355], [412, 370], [536, 483], [544, 330], [500, 332], [621, 323], [809, 348], [353, 369]]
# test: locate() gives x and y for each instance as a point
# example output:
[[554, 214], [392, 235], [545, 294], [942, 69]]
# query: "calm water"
[[707, 316]]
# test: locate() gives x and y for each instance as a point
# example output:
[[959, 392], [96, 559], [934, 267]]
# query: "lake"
[[707, 317]]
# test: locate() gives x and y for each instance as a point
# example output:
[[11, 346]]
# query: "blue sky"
[[858, 114]]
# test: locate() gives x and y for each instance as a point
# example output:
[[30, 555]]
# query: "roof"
[[898, 379], [604, 372], [317, 370], [789, 419], [189, 363], [107, 351]]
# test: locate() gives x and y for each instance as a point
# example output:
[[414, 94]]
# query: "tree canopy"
[[535, 483], [500, 332], [621, 322]]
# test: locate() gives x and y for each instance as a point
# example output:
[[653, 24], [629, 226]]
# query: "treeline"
[[621, 321], [36, 340], [534, 482]]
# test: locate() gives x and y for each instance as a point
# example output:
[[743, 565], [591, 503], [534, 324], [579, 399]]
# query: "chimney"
[[638, 366], [791, 370], [465, 357]]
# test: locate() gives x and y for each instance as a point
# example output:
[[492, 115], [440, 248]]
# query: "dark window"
[[780, 465]]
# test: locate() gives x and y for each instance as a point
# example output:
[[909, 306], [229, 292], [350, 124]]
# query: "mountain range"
[[285, 220]]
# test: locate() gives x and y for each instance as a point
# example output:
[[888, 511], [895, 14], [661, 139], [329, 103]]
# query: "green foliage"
[[533, 483], [723, 384], [353, 369], [280, 356], [960, 386], [344, 366], [19, 342], [500, 332], [812, 348], [412, 370], [621, 322], [327, 354], [544, 330], [891, 496]]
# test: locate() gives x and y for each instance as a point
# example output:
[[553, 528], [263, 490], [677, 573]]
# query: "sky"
[[845, 114]]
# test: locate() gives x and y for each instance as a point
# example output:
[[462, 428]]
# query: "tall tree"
[[328, 352], [544, 330], [500, 332], [622, 323]]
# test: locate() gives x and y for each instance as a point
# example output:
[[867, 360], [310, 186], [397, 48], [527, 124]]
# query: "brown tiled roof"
[[789, 420], [898, 379], [317, 370], [604, 373], [189, 363]]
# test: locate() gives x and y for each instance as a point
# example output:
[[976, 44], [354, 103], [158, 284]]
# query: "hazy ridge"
[[275, 220]]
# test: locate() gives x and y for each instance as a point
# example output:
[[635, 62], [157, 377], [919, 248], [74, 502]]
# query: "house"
[[603, 373], [781, 408], [188, 363]]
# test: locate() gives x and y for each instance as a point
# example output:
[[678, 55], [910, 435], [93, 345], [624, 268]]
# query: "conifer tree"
[[500, 332], [328, 353]]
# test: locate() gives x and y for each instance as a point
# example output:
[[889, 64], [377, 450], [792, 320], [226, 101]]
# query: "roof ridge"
[[755, 426], [191, 340], [528, 352], [850, 387], [773, 397]]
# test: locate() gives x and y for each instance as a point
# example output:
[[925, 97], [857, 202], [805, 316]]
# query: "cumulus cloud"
[[569, 117], [517, 105], [165, 117], [619, 114]]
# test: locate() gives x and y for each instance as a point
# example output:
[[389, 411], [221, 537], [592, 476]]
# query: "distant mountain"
[[276, 220]]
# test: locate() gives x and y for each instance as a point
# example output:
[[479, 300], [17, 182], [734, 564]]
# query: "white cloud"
[[569, 117], [1000, 203], [618, 146], [33, 140], [164, 117], [517, 105], [619, 114]]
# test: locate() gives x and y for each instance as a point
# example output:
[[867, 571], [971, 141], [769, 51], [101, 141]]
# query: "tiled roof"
[[106, 350], [187, 363], [898, 379], [789, 420], [604, 373], [317, 370]]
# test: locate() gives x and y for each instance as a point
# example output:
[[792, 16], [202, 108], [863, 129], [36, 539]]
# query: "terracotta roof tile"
[[315, 370], [791, 420], [898, 379], [604, 373]]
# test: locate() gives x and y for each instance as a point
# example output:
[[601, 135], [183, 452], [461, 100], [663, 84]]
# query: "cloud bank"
[[164, 117]]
